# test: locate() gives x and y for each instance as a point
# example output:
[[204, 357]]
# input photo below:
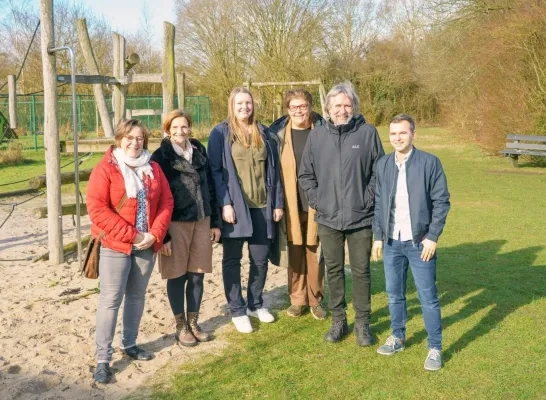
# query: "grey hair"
[[404, 117], [345, 88]]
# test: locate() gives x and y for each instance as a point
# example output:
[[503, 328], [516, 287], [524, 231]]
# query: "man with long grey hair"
[[337, 174]]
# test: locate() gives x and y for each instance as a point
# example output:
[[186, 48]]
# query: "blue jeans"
[[258, 250], [397, 256]]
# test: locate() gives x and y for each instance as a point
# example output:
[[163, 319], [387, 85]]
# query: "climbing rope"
[[13, 205]]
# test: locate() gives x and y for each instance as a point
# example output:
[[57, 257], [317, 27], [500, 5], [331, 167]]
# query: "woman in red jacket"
[[130, 203]]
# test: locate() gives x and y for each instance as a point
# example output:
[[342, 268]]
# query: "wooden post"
[[51, 135], [93, 69], [12, 89], [118, 94], [181, 82], [169, 84], [121, 68]]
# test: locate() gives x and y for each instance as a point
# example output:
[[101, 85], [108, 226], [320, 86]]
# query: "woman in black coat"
[[186, 254]]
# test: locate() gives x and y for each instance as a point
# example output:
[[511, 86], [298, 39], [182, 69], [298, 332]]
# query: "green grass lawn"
[[492, 281]]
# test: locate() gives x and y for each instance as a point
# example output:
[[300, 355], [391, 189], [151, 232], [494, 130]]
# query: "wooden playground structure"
[[172, 84], [119, 81]]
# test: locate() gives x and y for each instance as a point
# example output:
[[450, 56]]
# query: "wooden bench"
[[533, 146]]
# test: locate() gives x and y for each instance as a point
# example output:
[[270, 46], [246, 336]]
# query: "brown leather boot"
[[183, 333], [195, 329]]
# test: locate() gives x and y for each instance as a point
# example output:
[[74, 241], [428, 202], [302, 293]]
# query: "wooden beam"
[[142, 78], [116, 91], [51, 134], [67, 209], [15, 193], [70, 248], [90, 79], [92, 66], [262, 84], [12, 90], [121, 69], [139, 113], [101, 145], [169, 77], [40, 181]]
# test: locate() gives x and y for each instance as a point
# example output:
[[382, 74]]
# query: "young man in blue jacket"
[[411, 206]]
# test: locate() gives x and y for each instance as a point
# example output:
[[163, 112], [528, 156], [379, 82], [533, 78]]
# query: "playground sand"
[[47, 339]]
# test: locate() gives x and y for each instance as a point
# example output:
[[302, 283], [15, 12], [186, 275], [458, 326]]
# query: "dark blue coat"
[[427, 191], [228, 189]]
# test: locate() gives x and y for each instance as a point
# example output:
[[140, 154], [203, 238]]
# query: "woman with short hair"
[[186, 255], [130, 207], [298, 239]]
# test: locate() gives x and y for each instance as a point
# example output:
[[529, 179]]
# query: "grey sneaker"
[[434, 360], [318, 312], [294, 310], [391, 346]]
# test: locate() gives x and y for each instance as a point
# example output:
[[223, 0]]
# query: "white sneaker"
[[262, 314], [242, 324]]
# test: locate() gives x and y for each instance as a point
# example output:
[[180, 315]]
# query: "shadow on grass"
[[485, 279], [24, 161]]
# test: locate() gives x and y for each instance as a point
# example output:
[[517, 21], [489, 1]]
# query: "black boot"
[[103, 373], [363, 334], [337, 331], [136, 353]]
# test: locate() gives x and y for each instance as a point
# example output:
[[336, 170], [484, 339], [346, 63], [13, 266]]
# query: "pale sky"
[[125, 16]]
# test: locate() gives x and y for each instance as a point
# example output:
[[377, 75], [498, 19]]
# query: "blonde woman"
[[298, 234], [245, 172]]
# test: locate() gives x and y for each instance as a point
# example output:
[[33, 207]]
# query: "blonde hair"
[[236, 130]]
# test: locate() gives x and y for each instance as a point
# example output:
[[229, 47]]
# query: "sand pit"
[[47, 340]]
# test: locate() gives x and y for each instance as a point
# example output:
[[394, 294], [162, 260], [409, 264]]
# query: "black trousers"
[[258, 248], [359, 243]]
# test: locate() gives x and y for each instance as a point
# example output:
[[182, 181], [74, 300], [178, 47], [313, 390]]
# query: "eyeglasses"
[[302, 107], [133, 138]]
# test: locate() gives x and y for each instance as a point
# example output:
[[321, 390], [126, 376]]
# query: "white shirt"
[[401, 213]]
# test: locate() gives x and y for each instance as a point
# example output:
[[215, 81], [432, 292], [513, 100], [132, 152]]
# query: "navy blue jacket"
[[427, 193], [228, 189]]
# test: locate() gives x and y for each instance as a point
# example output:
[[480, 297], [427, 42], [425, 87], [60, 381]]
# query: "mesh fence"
[[30, 114]]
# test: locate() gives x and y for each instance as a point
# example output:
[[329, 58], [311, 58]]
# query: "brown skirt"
[[191, 249]]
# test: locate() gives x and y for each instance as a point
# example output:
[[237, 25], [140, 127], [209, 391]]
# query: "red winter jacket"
[[105, 189]]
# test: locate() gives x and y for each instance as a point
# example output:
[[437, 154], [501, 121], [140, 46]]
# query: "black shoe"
[[363, 334], [137, 353], [337, 331], [103, 373]]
